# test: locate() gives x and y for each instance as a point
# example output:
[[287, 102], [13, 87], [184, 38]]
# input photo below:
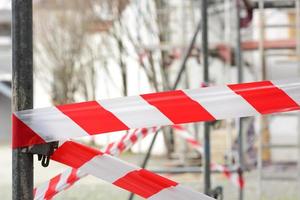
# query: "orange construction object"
[[271, 44]]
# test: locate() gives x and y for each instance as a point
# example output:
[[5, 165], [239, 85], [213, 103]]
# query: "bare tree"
[[68, 45], [73, 43], [150, 24]]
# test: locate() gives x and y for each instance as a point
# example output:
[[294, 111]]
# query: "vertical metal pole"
[[22, 96], [227, 39], [297, 4], [262, 62], [147, 157], [227, 36], [207, 181], [178, 78], [239, 64]]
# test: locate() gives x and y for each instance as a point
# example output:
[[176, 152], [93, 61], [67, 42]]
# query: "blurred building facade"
[[5, 71], [183, 17]]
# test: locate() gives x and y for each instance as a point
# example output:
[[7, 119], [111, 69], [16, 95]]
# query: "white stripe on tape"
[[107, 168], [63, 180], [179, 193], [51, 124], [290, 87], [235, 179], [81, 174], [144, 115], [41, 191], [230, 105]]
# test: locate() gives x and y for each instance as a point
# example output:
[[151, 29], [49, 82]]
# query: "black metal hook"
[[45, 161], [44, 151], [217, 193]]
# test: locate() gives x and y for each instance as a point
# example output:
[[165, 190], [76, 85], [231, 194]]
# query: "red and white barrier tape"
[[157, 109], [124, 175], [64, 180], [166, 108], [235, 178], [183, 133], [128, 140], [57, 184]]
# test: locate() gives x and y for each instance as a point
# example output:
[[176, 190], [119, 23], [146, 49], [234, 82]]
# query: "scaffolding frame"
[[262, 5], [22, 77], [238, 48]]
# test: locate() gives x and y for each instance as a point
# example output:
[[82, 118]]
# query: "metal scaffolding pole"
[[22, 92], [239, 65], [178, 78], [147, 157], [187, 55], [262, 60], [207, 180], [180, 170], [275, 4], [298, 65]]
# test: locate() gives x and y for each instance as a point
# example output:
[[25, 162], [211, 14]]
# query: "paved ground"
[[92, 188]]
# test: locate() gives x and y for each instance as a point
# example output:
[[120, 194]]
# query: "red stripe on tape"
[[34, 192], [193, 141], [121, 146], [241, 181], [144, 132], [51, 191], [180, 108], [144, 183], [67, 152], [178, 127], [73, 176], [265, 97], [109, 147], [133, 138], [226, 172], [23, 136], [92, 117]]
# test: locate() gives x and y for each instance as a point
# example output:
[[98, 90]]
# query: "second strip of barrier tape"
[[70, 176], [67, 178], [235, 178], [124, 175]]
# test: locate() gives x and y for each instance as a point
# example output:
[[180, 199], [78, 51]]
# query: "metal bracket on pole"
[[44, 151], [217, 193]]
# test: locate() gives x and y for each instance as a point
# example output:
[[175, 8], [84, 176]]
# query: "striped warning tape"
[[157, 109], [64, 180], [70, 176], [124, 175], [128, 140], [166, 108], [183, 133], [235, 178], [57, 184]]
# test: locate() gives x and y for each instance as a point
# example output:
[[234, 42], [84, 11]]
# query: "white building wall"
[[5, 72]]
